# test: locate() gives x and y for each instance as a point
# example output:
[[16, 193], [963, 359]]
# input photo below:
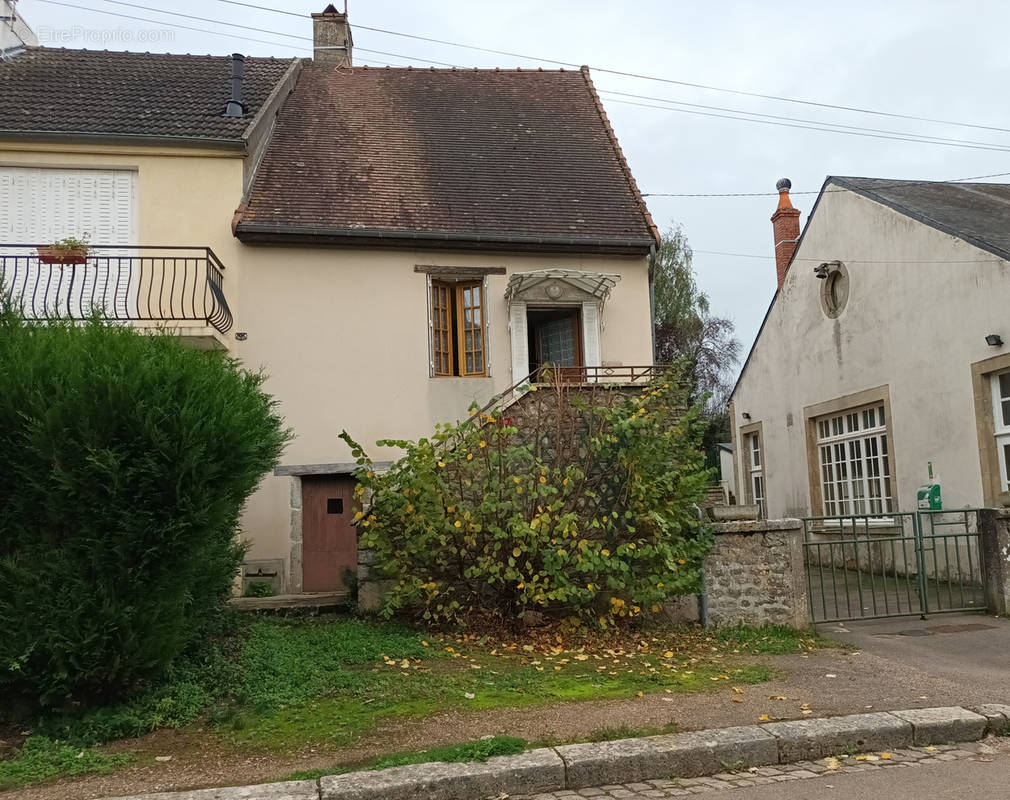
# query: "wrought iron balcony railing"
[[118, 282]]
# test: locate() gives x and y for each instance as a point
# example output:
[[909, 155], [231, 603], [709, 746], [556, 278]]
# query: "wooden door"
[[329, 540]]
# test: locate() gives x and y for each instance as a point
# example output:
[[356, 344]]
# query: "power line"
[[991, 260], [224, 33], [835, 128], [640, 76], [816, 191], [788, 119], [810, 127]]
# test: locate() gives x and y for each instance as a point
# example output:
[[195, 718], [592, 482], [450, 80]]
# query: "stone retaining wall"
[[755, 574]]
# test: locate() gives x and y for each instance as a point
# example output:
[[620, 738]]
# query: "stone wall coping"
[[343, 468], [757, 526], [677, 755]]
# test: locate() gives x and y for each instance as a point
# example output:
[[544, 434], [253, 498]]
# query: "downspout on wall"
[[652, 299]]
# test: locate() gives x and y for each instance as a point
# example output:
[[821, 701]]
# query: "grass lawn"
[[287, 684]]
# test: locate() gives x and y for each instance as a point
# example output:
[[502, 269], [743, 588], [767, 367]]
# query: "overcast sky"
[[941, 59]]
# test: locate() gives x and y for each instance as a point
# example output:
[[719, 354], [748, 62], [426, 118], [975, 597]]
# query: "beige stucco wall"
[[343, 335], [914, 324]]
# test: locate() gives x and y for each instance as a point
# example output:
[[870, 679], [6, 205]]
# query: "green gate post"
[[920, 564]]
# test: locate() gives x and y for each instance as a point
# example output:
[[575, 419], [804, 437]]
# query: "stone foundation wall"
[[755, 574]]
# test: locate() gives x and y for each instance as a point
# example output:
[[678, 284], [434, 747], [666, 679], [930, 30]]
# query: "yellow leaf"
[[640, 694], [517, 552], [604, 552], [668, 654], [764, 718], [424, 643], [886, 756], [405, 664], [929, 748], [738, 690]]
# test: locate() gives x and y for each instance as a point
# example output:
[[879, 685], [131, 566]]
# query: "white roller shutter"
[[39, 205]]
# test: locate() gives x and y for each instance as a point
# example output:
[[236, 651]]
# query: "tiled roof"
[[978, 213], [469, 156], [103, 93]]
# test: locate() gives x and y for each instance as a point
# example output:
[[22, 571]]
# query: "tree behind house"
[[687, 330]]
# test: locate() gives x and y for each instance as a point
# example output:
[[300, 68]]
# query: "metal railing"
[[570, 376], [869, 566], [119, 283]]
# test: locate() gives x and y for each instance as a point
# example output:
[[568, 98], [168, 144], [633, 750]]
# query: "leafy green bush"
[[597, 524], [259, 589], [125, 460]]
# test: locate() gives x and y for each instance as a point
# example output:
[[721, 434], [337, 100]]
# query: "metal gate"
[[890, 565]]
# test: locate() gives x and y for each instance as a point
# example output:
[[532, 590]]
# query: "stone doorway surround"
[[296, 473]]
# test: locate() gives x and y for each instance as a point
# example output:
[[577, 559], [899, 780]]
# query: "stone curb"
[[683, 755]]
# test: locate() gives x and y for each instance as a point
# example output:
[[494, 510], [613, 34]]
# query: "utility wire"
[[224, 33], [816, 191], [772, 119], [991, 260], [810, 127], [640, 76], [788, 119]]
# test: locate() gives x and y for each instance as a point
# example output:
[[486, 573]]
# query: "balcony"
[[180, 289]]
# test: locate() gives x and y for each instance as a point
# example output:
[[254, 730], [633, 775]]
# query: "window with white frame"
[[855, 468], [755, 471], [1001, 424]]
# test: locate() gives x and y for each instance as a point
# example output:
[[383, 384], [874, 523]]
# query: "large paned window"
[[855, 468], [457, 329], [1001, 420]]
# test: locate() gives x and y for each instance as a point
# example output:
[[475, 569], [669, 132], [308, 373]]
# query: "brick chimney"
[[786, 229], [332, 42]]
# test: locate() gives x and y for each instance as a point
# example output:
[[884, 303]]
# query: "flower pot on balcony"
[[59, 255]]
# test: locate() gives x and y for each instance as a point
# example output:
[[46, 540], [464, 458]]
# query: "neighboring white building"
[[882, 353], [15, 33], [727, 477]]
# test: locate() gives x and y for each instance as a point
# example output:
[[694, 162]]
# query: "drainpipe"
[[652, 299]]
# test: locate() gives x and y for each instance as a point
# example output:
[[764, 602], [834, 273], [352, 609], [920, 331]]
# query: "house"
[[15, 33], [882, 363], [390, 245]]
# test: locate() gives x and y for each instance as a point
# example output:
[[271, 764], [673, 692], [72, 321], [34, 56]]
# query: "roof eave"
[[236, 145], [277, 234]]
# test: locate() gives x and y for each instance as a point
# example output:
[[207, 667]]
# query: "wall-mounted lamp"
[[241, 336], [822, 270], [994, 340], [745, 415]]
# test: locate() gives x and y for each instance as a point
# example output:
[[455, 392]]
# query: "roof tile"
[[82, 92], [483, 153]]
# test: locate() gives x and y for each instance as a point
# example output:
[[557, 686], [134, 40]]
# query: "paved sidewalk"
[[823, 769]]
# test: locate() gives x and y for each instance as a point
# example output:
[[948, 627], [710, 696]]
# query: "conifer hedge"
[[125, 459]]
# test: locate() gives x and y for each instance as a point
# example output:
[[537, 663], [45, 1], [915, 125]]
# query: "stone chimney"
[[331, 38], [786, 229]]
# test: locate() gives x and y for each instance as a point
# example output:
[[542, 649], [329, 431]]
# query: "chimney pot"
[[332, 42], [785, 229], [235, 107]]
